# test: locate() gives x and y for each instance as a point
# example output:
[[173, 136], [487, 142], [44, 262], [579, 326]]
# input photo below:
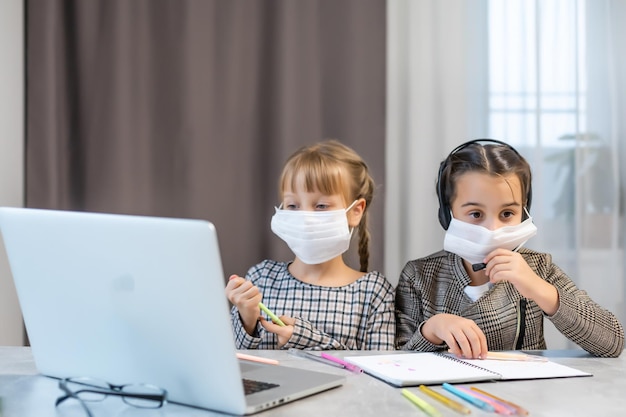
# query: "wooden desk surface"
[[24, 393]]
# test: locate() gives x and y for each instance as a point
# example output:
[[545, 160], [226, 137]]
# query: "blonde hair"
[[331, 167]]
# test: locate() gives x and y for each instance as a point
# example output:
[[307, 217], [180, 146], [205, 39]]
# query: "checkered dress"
[[356, 316], [434, 285]]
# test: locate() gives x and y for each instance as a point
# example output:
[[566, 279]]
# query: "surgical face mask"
[[314, 236], [473, 243]]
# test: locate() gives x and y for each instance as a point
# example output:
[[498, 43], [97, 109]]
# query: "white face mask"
[[314, 236], [473, 243]]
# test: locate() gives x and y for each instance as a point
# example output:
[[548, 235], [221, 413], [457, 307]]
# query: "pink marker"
[[347, 365]]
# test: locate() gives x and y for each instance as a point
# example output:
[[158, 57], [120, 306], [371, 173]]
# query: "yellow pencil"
[[519, 409], [423, 405], [456, 406]]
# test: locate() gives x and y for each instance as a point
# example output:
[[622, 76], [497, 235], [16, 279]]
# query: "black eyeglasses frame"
[[159, 397]]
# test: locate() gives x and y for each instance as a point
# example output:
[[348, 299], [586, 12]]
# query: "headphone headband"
[[444, 209]]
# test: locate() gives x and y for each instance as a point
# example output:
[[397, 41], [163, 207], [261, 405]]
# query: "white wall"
[[11, 151]]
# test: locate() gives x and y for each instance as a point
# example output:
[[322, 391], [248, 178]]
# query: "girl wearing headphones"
[[484, 291]]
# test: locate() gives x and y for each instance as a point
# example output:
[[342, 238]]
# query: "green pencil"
[[273, 316]]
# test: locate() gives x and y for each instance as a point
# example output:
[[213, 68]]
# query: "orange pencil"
[[508, 356], [520, 410], [259, 359]]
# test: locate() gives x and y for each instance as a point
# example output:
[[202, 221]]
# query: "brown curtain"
[[188, 108]]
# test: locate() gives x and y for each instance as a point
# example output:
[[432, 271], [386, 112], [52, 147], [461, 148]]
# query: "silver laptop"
[[134, 299]]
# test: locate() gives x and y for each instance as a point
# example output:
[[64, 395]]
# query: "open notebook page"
[[410, 369]]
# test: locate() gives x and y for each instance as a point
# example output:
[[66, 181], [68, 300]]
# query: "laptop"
[[137, 299]]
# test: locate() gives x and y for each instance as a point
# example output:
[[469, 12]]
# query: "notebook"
[[134, 299], [430, 368]]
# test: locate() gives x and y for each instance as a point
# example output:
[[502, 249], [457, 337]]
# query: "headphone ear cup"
[[444, 216]]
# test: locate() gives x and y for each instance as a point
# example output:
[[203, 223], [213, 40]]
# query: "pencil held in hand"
[[272, 316]]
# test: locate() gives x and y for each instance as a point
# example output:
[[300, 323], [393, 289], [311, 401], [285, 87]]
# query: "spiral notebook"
[[431, 368]]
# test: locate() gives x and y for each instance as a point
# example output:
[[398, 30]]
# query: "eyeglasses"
[[92, 390]]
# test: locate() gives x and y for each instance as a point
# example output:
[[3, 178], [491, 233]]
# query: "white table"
[[24, 393]]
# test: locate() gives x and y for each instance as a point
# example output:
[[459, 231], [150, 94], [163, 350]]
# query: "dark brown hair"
[[496, 158]]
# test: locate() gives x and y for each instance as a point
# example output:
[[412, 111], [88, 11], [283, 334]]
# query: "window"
[[537, 87]]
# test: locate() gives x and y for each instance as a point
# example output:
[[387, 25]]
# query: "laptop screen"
[[127, 299]]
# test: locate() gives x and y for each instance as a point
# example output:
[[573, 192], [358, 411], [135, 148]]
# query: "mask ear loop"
[[347, 210], [351, 205]]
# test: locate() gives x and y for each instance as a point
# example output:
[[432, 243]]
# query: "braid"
[[366, 191], [364, 240]]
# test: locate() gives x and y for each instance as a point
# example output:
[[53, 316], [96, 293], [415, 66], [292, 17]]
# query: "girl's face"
[[316, 201], [312, 201], [489, 201]]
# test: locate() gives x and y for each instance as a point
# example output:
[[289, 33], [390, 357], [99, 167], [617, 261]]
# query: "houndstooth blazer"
[[434, 285]]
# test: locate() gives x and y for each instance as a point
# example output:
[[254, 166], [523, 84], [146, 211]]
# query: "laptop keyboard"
[[251, 386]]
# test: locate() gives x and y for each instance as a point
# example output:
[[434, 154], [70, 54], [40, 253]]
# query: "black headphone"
[[444, 208]]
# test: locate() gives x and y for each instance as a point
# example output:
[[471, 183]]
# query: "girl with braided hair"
[[322, 302]]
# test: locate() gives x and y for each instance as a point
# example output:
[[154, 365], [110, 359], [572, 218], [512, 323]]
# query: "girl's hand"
[[283, 332], [246, 297], [506, 265], [463, 337]]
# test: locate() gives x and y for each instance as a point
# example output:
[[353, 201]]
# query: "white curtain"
[[548, 77], [436, 98]]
